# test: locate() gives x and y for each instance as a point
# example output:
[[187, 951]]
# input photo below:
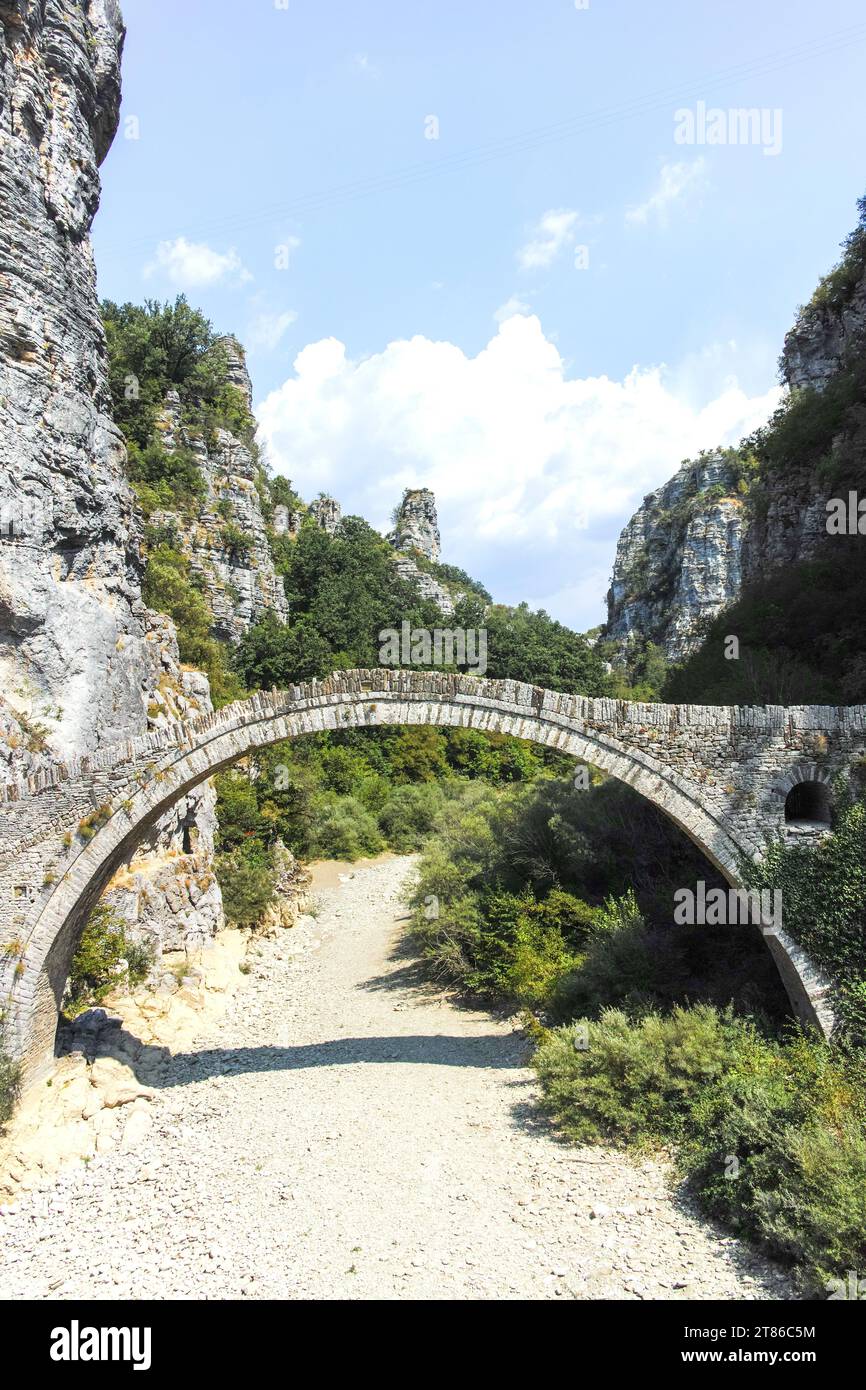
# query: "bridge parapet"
[[721, 773]]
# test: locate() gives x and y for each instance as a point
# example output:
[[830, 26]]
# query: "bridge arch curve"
[[655, 749]]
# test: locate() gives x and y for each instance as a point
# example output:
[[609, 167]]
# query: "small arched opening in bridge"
[[808, 805]]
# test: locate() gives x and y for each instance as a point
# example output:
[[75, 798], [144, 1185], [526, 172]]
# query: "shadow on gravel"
[[157, 1067], [413, 979]]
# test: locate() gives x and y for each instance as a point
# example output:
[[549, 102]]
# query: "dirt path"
[[344, 1132]]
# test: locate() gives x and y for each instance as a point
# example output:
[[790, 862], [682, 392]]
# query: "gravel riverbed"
[[345, 1131]]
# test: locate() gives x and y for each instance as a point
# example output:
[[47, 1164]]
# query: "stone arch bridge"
[[722, 774]]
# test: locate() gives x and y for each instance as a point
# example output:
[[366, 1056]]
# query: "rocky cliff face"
[[790, 526], [76, 653], [822, 339], [81, 657], [678, 559], [227, 542], [692, 545], [416, 525], [327, 512], [416, 534]]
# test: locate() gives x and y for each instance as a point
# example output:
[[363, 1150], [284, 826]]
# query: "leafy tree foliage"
[[801, 636], [531, 646], [105, 956], [169, 587], [154, 347]]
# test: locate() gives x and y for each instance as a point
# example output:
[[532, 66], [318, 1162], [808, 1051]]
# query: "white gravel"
[[344, 1132]]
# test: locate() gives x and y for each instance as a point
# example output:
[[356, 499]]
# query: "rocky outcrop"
[[286, 520], [416, 535], [291, 890], [226, 542], [823, 338], [692, 545], [427, 586], [236, 361], [678, 561], [416, 525], [83, 663], [327, 513], [791, 523]]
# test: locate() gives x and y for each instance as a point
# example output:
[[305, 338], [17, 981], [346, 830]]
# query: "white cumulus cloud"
[[551, 234], [675, 182], [534, 472], [194, 264]]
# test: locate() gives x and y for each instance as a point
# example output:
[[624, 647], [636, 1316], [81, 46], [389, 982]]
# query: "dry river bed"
[[346, 1131]]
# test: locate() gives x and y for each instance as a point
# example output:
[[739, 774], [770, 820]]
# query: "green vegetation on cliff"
[[10, 1077], [154, 348], [835, 289], [105, 956]]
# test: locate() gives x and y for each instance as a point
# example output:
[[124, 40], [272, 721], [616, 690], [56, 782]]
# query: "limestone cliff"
[[82, 660], [826, 333], [737, 517], [416, 525], [678, 559], [827, 342], [76, 651], [416, 539], [226, 542]]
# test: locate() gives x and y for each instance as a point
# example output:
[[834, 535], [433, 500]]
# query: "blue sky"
[[540, 311]]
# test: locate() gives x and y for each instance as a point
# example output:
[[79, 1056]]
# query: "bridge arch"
[[652, 748]]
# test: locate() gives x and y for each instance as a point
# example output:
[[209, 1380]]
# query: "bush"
[[496, 944], [835, 289], [246, 880], [618, 967], [104, 959], [342, 828], [172, 482], [410, 814], [168, 587], [772, 1134], [543, 938], [634, 1080]]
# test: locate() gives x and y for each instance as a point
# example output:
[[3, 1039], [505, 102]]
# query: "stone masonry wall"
[[721, 774]]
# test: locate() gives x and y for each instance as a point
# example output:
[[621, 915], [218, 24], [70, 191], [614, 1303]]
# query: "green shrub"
[[246, 880], [835, 289], [236, 541], [169, 587], [495, 943], [342, 828], [97, 966], [634, 1080], [544, 936], [168, 481], [771, 1133], [619, 964], [410, 814]]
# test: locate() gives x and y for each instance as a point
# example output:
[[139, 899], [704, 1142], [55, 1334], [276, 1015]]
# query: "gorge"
[[195, 706]]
